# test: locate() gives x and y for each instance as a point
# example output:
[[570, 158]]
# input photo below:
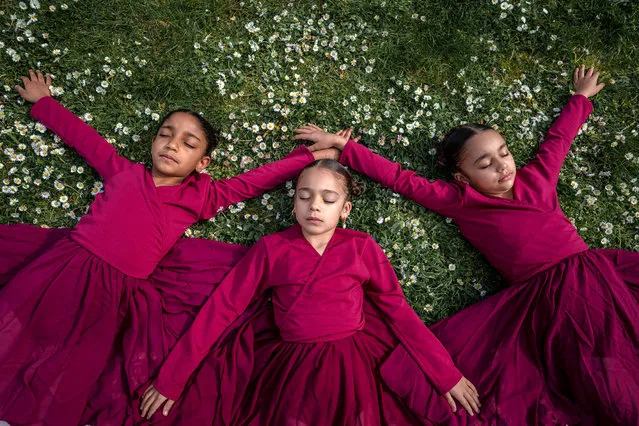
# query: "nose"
[[501, 166], [314, 206], [172, 144]]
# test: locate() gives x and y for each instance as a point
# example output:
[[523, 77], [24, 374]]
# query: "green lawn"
[[400, 72]]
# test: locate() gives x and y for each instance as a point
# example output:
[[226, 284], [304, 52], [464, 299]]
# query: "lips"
[[506, 177], [314, 219], [168, 157]]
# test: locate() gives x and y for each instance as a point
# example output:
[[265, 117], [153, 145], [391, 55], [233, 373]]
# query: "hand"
[[36, 86], [152, 400], [328, 153], [466, 394], [322, 139], [586, 81]]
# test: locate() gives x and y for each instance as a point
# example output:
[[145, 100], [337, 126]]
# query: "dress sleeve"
[[439, 196], [96, 151], [551, 154], [226, 303], [384, 291], [224, 192]]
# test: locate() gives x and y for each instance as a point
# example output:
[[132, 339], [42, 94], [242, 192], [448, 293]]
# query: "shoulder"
[[282, 238], [358, 236]]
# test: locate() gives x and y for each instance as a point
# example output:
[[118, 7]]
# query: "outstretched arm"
[[224, 192], [552, 152], [439, 196], [433, 359], [97, 152], [226, 303]]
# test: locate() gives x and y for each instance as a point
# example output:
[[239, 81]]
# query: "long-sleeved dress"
[[310, 356], [561, 343], [80, 303]]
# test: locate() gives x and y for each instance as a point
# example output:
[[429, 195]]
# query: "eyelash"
[[502, 155], [308, 198]]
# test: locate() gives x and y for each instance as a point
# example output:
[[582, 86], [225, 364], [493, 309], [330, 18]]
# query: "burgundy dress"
[[312, 354], [86, 315], [561, 343]]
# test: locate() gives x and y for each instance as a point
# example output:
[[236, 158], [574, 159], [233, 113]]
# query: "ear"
[[346, 210], [460, 177], [201, 165], [153, 140]]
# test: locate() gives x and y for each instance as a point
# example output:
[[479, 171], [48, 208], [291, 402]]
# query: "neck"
[[160, 179], [319, 241]]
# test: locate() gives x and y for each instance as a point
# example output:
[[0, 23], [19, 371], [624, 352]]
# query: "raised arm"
[[439, 196], [553, 150], [225, 192], [97, 152], [225, 304]]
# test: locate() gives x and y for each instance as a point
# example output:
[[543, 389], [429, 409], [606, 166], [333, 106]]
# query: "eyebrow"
[[330, 191], [168, 126], [486, 155]]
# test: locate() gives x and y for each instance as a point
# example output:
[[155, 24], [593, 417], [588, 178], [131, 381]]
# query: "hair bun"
[[357, 187]]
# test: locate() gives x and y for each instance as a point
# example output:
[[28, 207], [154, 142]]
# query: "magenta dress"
[[86, 315], [560, 345], [308, 349]]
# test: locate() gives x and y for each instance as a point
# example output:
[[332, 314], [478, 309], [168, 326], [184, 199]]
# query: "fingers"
[[48, 80], [575, 75], [464, 403], [25, 81], [148, 390], [32, 76], [600, 86], [590, 71], [20, 91], [474, 405], [154, 407], [39, 76], [582, 71], [474, 395], [147, 400], [451, 402], [314, 147], [167, 407], [347, 134], [149, 397], [356, 139], [472, 387]]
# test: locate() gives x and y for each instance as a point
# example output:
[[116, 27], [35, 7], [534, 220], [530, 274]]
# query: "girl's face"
[[487, 165], [179, 148], [320, 201]]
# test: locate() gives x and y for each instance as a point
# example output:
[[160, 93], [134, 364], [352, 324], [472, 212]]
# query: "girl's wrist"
[[339, 143]]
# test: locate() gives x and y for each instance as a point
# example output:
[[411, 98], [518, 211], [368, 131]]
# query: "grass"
[[433, 62]]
